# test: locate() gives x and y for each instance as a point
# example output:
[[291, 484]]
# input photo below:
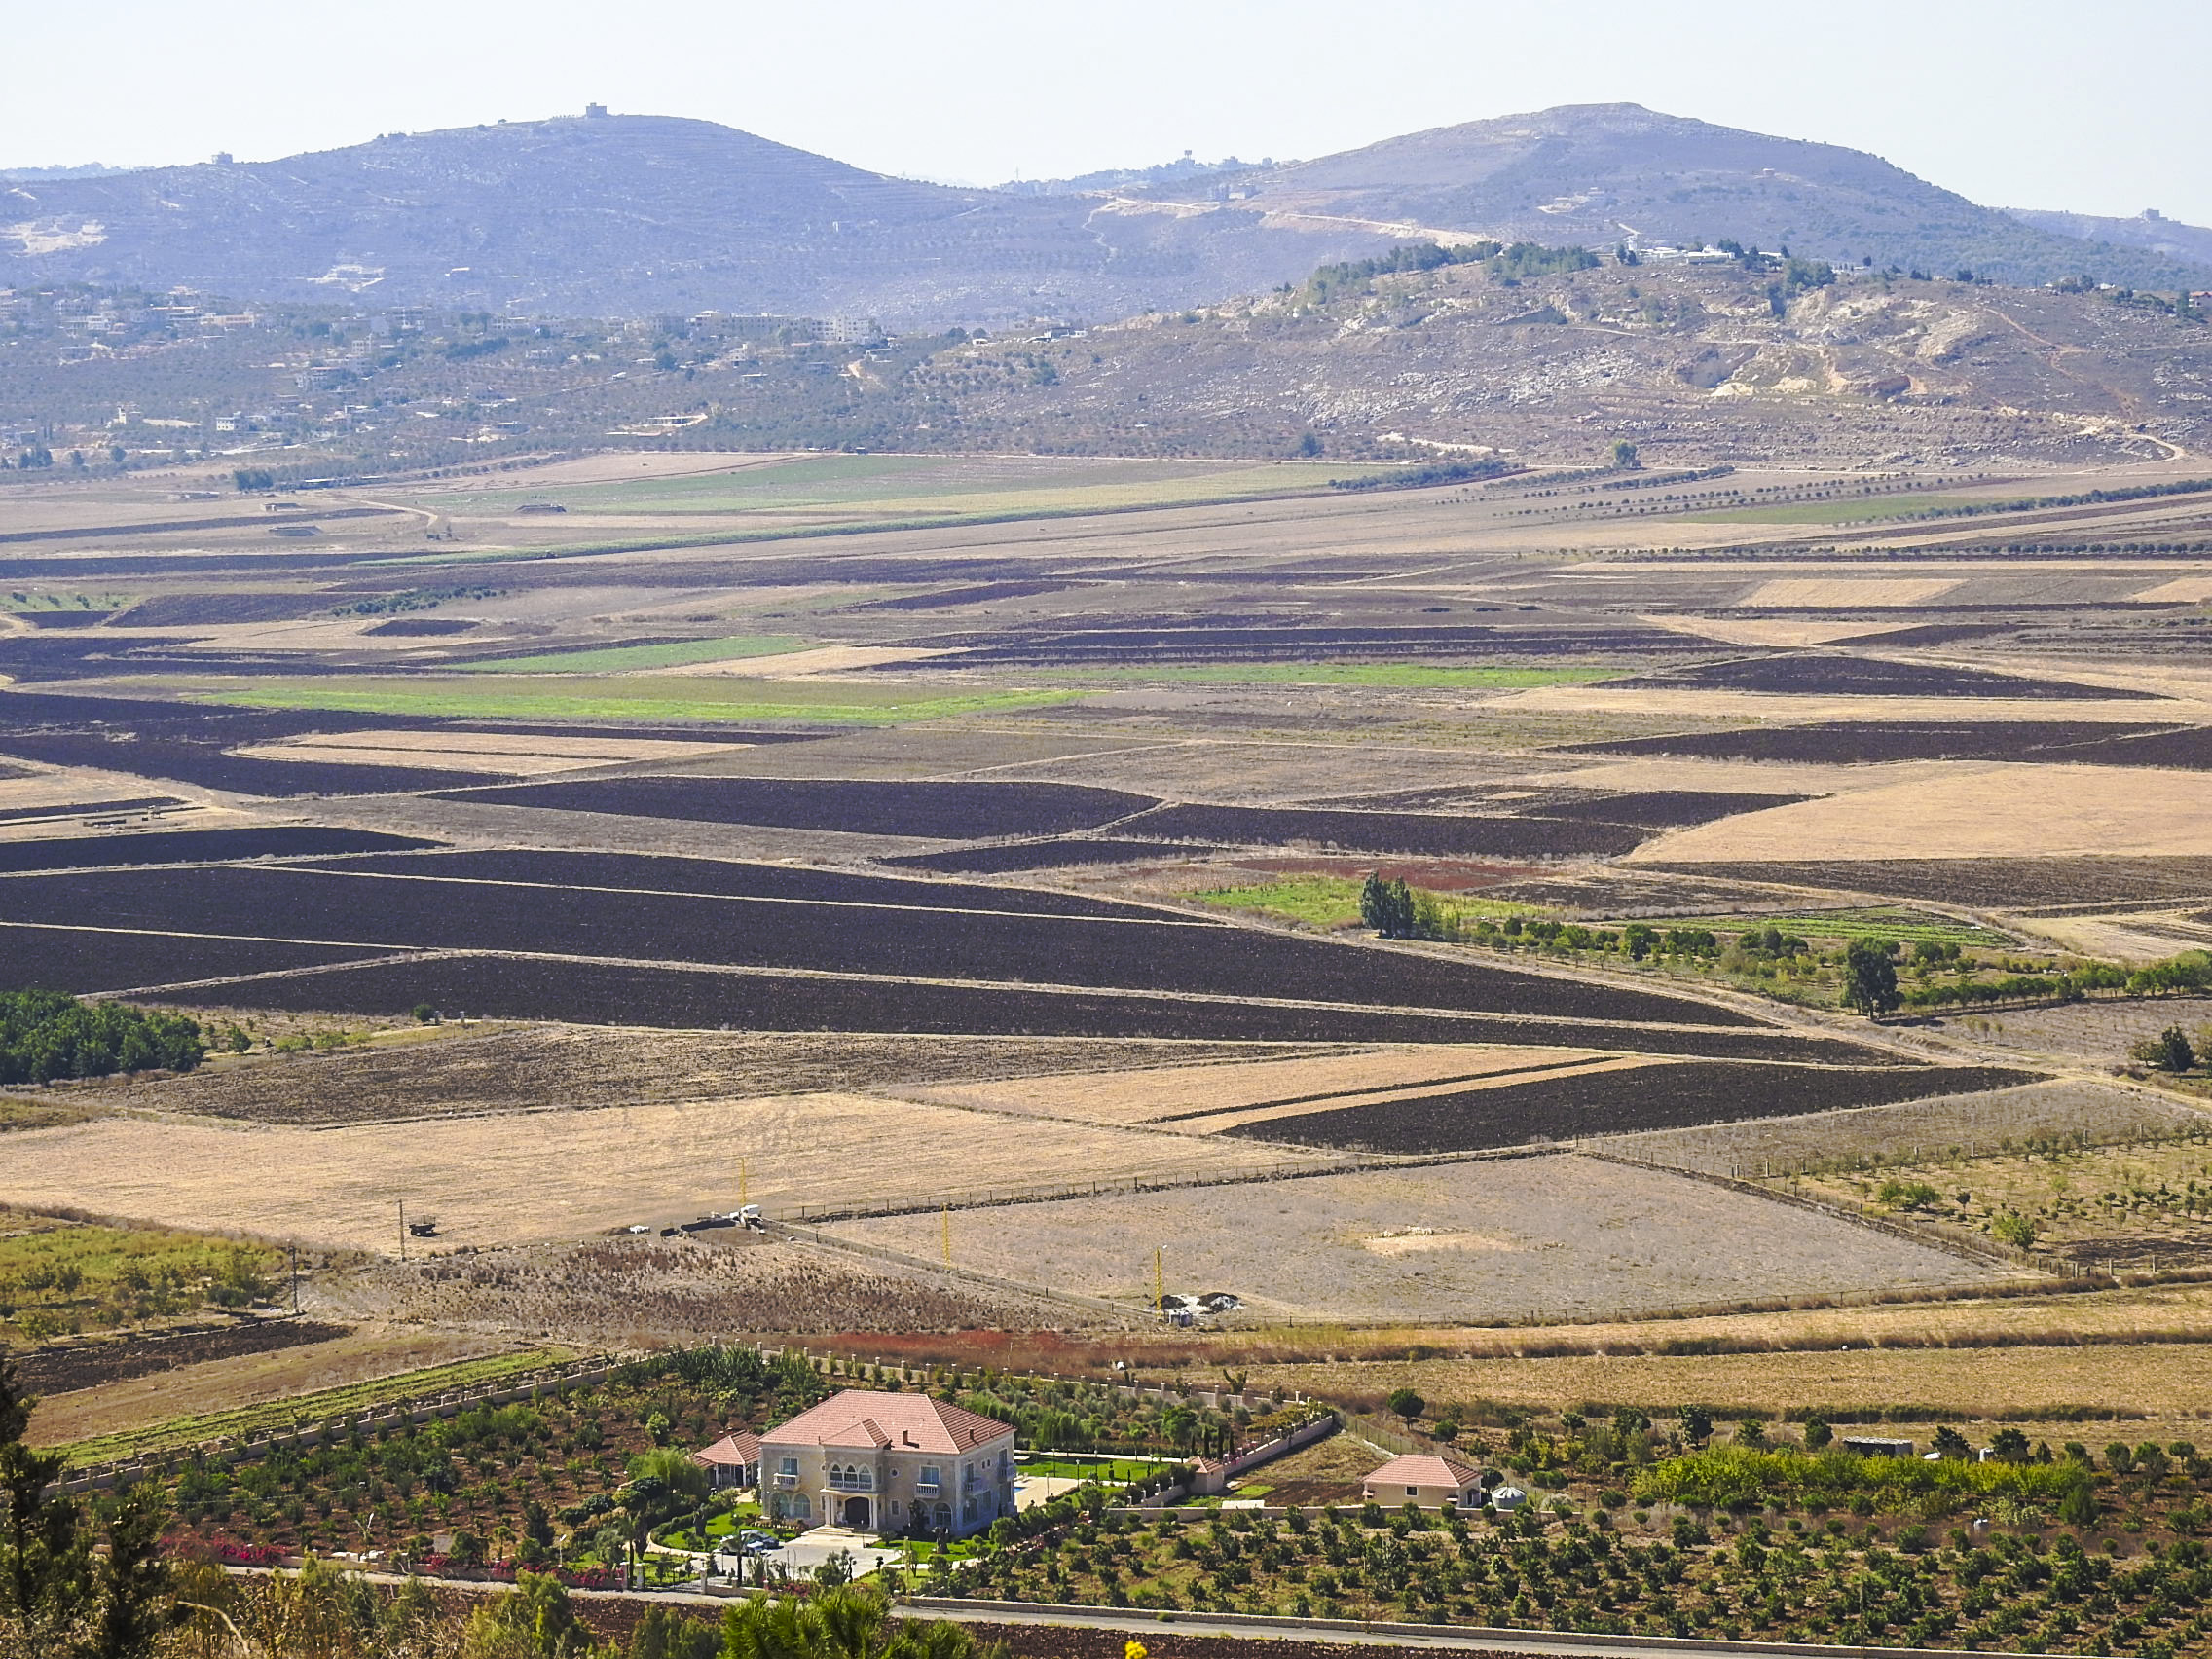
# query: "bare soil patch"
[[88, 959], [1858, 742], [1186, 1091], [90, 1365], [2058, 1109], [1434, 834], [1607, 1100], [2154, 1379], [1992, 884], [947, 811], [2097, 1033], [1847, 592], [493, 1181], [2024, 811], [554, 1068], [198, 846], [635, 1293], [245, 1380], [1833, 674], [1048, 854], [1553, 1237]]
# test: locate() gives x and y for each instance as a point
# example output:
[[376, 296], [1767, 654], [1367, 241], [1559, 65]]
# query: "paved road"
[[1140, 1623]]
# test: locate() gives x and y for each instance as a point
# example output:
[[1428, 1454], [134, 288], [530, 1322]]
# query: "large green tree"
[[58, 1598], [1870, 978]]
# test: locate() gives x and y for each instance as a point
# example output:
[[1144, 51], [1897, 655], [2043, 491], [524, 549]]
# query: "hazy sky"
[[2040, 104]]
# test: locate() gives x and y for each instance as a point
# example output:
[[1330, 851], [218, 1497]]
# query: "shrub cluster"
[[45, 1035]]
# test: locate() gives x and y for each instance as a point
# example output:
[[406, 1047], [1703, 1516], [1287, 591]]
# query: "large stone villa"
[[888, 1463]]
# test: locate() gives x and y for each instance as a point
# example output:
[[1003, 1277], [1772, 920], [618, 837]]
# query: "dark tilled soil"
[[197, 610], [1986, 883], [945, 811], [1660, 1098], [58, 959], [1434, 834], [61, 1370], [698, 998], [651, 873], [1154, 951], [1648, 809], [1047, 855], [1667, 809], [1833, 674], [424, 627], [1874, 741], [531, 1069], [205, 765], [193, 846], [949, 598]]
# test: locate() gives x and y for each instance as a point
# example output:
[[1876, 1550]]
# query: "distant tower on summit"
[[595, 112]]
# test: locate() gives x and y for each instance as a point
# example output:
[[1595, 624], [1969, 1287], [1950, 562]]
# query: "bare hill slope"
[[1608, 174]]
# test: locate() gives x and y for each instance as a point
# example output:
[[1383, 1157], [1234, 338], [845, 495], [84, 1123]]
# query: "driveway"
[[809, 1550], [1029, 1490]]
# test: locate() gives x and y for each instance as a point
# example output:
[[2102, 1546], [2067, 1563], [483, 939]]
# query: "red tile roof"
[[1419, 1469], [741, 1448], [860, 1417]]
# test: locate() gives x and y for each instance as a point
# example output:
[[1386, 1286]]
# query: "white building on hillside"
[[889, 1463]]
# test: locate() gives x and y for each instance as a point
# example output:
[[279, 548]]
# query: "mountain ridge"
[[642, 215]]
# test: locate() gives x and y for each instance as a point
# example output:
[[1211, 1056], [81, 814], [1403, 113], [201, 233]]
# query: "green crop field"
[[1405, 674], [1333, 901], [282, 1415], [490, 696], [615, 659]]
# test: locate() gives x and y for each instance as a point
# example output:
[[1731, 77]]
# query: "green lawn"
[[1078, 1466], [615, 659], [281, 1416], [1405, 674], [492, 696]]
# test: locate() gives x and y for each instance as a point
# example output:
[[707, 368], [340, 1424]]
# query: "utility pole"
[[948, 1235], [295, 1278], [403, 1230], [1159, 1282]]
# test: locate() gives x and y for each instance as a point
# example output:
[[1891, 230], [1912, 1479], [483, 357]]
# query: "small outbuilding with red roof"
[[1425, 1480]]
